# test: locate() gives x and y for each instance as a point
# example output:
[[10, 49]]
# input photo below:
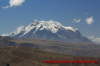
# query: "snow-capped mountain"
[[50, 30]]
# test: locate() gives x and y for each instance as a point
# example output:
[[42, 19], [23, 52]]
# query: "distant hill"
[[4, 41], [75, 49], [29, 52]]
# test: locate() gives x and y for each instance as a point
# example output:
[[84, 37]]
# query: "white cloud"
[[76, 20], [14, 3], [95, 39], [5, 6], [4, 35], [90, 20]]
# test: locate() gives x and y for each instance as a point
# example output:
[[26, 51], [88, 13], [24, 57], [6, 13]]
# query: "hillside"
[[31, 52], [76, 49]]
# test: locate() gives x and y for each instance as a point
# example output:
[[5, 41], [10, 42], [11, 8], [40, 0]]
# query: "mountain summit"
[[50, 30]]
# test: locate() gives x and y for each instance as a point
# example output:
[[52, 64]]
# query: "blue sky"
[[82, 14]]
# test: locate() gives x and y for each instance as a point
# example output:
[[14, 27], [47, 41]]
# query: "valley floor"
[[26, 56]]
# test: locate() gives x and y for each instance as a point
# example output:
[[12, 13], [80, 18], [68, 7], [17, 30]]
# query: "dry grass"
[[26, 56]]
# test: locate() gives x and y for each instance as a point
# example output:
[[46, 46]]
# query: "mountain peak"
[[52, 30], [54, 26], [50, 25], [48, 22]]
